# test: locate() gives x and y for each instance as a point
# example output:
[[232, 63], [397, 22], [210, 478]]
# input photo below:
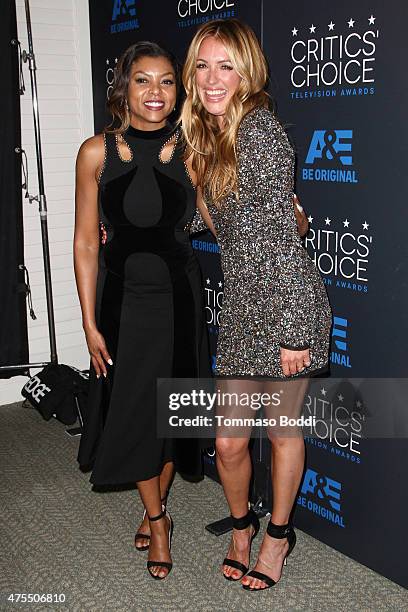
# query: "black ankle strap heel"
[[166, 564], [249, 519], [144, 536], [242, 523], [283, 531], [279, 532], [158, 517]]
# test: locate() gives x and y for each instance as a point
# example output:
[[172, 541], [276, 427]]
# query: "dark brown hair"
[[118, 96]]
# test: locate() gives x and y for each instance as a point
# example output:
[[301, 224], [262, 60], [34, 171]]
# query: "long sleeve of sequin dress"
[[273, 294]]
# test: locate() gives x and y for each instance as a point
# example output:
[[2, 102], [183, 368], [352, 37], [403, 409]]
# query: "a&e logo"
[[339, 354], [322, 496], [124, 16], [333, 149]]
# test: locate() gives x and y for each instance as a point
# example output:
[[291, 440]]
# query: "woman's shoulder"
[[93, 147], [259, 121]]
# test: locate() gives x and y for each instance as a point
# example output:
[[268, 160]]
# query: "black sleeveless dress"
[[150, 310]]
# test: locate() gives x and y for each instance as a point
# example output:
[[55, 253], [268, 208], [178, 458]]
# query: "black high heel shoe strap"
[[158, 517], [279, 531], [141, 536], [243, 522], [260, 576], [236, 565], [166, 564]]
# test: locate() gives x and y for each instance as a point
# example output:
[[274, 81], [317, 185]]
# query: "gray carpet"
[[57, 536]]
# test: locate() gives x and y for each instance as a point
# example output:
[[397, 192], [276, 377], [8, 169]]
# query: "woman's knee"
[[230, 450], [282, 441]]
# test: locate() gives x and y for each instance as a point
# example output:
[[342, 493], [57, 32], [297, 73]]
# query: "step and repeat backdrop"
[[338, 79]]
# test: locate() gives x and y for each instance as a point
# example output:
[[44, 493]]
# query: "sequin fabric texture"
[[273, 294]]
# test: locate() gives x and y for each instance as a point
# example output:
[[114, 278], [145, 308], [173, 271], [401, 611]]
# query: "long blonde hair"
[[213, 150]]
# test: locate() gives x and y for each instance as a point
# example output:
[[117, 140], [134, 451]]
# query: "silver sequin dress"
[[273, 294]]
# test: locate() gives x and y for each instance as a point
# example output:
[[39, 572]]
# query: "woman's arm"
[[264, 147], [86, 245], [203, 210], [202, 220]]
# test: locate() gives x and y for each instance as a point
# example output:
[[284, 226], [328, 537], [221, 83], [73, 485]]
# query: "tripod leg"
[[76, 431]]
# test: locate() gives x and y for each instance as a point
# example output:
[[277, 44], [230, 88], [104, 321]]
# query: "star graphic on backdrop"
[[351, 23], [365, 225], [220, 284], [358, 404], [346, 222], [312, 29], [323, 391], [208, 281], [327, 221], [341, 398], [107, 62], [310, 219], [331, 26], [116, 60], [294, 32], [371, 20]]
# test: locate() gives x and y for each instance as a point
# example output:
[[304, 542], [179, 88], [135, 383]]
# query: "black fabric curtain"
[[13, 317]]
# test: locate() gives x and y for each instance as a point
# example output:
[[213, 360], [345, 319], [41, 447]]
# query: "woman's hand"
[[301, 219], [293, 362], [98, 351]]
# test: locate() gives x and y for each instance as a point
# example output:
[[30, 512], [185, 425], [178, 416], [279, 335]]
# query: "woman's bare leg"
[[287, 461], [235, 469], [165, 480], [159, 547]]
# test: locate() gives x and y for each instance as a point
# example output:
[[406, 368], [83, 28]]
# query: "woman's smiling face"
[[216, 78], [151, 92]]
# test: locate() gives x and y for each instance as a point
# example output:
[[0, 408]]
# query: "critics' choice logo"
[[341, 251], [322, 495], [337, 424], [213, 289], [195, 12], [330, 157], [340, 342], [213, 303], [110, 69], [330, 59], [123, 16]]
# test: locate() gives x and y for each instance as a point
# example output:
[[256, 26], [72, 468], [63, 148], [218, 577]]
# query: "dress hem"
[[265, 377]]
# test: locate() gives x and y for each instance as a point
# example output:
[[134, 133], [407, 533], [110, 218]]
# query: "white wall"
[[62, 49]]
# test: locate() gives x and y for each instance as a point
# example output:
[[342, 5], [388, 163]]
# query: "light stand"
[[42, 204]]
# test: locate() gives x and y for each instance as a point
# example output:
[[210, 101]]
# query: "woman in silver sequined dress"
[[276, 319]]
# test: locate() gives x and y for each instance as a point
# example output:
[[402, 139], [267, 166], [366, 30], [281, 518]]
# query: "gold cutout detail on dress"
[[98, 178], [176, 136], [189, 175], [126, 161]]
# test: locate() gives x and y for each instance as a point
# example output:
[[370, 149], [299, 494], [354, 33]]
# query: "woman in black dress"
[[140, 289]]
